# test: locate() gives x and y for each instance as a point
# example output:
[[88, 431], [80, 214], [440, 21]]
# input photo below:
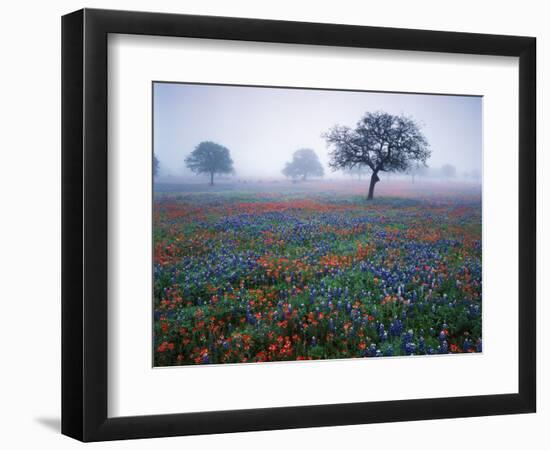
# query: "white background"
[[133, 386], [30, 236]]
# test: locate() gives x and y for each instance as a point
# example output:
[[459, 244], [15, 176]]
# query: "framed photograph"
[[273, 224]]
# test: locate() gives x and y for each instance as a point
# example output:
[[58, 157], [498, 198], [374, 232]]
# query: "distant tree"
[[304, 163], [210, 158], [448, 171], [475, 175], [412, 171], [155, 166], [423, 171], [357, 171], [417, 170], [381, 141]]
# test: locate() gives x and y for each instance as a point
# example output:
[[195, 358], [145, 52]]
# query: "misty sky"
[[262, 127]]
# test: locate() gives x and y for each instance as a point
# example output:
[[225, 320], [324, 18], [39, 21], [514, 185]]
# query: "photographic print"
[[296, 224]]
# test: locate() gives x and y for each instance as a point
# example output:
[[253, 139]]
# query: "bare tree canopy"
[[211, 158], [305, 162], [381, 141]]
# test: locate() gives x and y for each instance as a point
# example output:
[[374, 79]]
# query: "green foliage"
[[210, 158]]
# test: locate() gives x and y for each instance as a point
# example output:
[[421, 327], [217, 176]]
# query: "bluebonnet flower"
[[421, 345], [312, 297], [479, 347], [371, 350], [410, 348], [396, 327]]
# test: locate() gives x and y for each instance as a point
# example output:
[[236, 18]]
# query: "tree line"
[[380, 142]]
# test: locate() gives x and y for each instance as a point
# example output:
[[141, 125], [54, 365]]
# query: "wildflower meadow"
[[286, 274]]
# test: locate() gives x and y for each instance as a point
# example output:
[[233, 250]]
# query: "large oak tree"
[[381, 141], [210, 158]]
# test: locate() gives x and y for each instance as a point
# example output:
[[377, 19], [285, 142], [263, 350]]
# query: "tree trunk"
[[211, 178], [373, 180]]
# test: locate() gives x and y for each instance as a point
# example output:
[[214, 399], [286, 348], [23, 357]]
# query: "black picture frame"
[[84, 224]]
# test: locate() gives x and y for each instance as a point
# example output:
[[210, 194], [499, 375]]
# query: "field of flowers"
[[253, 277]]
